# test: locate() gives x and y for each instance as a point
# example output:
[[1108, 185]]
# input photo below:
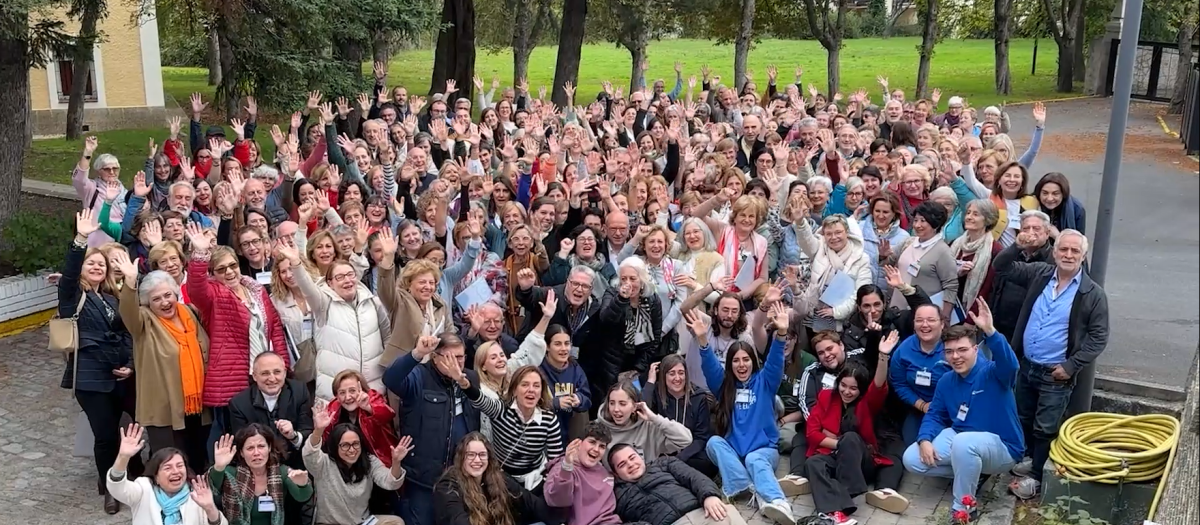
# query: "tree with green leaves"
[[89, 13], [930, 36], [631, 24], [519, 25], [1184, 36], [829, 32], [1063, 23]]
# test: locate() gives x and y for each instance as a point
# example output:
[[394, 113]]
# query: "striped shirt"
[[520, 447], [816, 378]]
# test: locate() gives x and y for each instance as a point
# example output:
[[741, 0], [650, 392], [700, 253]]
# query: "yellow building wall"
[[120, 58]]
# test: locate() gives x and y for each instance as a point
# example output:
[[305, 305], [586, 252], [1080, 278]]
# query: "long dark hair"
[[354, 472], [740, 325], [1053, 177], [274, 444], [487, 500], [857, 371], [723, 415], [689, 388]]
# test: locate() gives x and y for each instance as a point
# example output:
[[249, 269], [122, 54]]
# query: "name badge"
[[962, 412], [371, 521], [575, 352], [827, 381], [263, 278], [458, 407], [924, 378], [1014, 222], [743, 396], [796, 388], [914, 269], [306, 329], [266, 504]]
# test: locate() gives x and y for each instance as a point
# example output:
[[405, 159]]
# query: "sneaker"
[[1025, 488], [888, 500], [778, 511], [972, 517], [1024, 469], [794, 485], [840, 518]]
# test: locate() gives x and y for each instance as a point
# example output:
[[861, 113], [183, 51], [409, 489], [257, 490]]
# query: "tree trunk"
[[350, 54], [928, 40], [522, 46], [1183, 69], [1001, 26], [637, 53], [833, 68], [570, 47], [1080, 43], [742, 44], [455, 55], [1065, 82], [214, 58], [228, 92], [81, 69], [381, 49], [15, 135]]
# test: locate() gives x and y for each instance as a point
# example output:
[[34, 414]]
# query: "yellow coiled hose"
[[1115, 448]]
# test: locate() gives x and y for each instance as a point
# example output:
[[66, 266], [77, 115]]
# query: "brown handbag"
[[64, 333]]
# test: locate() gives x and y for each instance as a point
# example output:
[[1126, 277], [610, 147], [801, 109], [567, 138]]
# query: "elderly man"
[[487, 325], [616, 233], [1063, 327], [1008, 295], [277, 402], [576, 311], [255, 194], [750, 141]]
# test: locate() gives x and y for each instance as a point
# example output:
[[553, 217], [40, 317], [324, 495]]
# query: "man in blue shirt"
[[971, 427], [1062, 327]]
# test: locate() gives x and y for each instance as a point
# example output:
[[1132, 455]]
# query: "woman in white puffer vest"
[[350, 324]]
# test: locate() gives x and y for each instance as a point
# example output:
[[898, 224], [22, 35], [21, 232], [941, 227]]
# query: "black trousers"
[[191, 440], [799, 454], [838, 477], [701, 463], [888, 476], [103, 411]]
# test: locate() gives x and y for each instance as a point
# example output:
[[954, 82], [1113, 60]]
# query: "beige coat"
[[407, 319]]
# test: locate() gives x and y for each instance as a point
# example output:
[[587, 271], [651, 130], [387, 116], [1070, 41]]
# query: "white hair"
[[944, 192], [153, 280], [1083, 240], [822, 181], [105, 160], [1035, 214], [643, 274], [681, 249]]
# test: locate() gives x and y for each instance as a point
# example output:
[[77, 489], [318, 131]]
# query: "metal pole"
[[1033, 68], [1081, 398]]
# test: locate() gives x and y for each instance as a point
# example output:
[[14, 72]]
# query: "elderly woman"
[[86, 189], [925, 261], [99, 368], [696, 251], [915, 180], [164, 495], [882, 234], [651, 243], [413, 302], [973, 254], [580, 247], [170, 349], [242, 320], [980, 174], [1011, 197], [740, 243], [630, 322], [838, 250], [524, 252], [168, 257]]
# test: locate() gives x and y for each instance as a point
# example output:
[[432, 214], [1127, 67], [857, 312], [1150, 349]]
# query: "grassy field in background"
[[960, 67]]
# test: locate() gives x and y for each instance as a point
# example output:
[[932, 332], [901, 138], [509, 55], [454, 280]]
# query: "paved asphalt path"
[[1154, 261]]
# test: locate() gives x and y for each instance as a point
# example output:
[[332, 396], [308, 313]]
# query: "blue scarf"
[[171, 505]]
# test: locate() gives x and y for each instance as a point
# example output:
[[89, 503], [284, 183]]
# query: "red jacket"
[[376, 428], [827, 415], [227, 321]]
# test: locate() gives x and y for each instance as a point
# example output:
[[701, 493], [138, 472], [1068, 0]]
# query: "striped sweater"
[[521, 447], [817, 378]]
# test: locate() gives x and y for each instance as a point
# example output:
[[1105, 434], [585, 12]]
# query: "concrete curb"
[[1001, 504], [48, 189], [1133, 387], [25, 323]]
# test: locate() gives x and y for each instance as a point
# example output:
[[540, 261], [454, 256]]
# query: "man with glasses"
[[971, 428]]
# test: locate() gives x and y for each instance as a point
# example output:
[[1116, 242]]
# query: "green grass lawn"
[[960, 67]]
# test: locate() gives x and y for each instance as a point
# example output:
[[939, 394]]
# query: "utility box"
[[1119, 504]]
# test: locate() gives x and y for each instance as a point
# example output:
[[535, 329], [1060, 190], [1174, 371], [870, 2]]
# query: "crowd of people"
[[502, 312]]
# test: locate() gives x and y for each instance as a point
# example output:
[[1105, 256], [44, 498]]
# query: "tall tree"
[[929, 38], [1187, 32], [213, 58], [89, 13], [631, 24], [741, 48], [455, 54], [570, 47], [1002, 27], [1062, 23], [829, 33], [528, 23]]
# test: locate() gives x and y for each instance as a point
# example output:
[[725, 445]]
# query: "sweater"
[[138, 494], [657, 437], [752, 423], [980, 401], [588, 492], [570, 380], [523, 446], [340, 501], [909, 360]]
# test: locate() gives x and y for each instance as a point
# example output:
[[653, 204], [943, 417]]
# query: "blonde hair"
[[109, 284], [750, 203], [484, 378], [279, 289], [160, 250], [417, 267]]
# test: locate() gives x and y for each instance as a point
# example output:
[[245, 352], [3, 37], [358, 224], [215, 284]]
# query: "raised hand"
[[1039, 113], [202, 494], [889, 343], [198, 106], [550, 305], [321, 417], [426, 344], [564, 247], [126, 266], [239, 127], [85, 222], [299, 477], [364, 103], [131, 440], [451, 87], [983, 319], [223, 452], [343, 107], [112, 189], [526, 278], [151, 234], [380, 70], [89, 145], [571, 457], [314, 101], [698, 324], [401, 450], [175, 123], [781, 317], [326, 112], [197, 238]]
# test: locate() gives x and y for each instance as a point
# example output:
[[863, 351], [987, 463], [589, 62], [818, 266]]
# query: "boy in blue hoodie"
[[917, 366], [971, 427]]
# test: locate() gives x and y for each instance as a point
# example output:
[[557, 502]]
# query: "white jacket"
[[857, 266], [139, 496], [348, 336]]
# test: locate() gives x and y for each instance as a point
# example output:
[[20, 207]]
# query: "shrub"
[[35, 241]]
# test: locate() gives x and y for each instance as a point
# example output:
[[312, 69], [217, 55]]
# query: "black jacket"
[[855, 334], [294, 405], [526, 507], [1087, 329], [104, 342], [1008, 295], [696, 416], [612, 356], [667, 490]]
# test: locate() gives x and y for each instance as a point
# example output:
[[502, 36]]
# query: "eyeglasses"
[[221, 270], [477, 455], [251, 242], [342, 277], [580, 286], [913, 182], [111, 168], [347, 447]]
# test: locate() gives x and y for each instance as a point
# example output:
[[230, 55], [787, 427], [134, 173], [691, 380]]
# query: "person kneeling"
[[666, 491], [971, 427]]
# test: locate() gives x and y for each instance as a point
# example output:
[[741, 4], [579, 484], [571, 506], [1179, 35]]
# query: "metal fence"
[[1154, 69], [1189, 125]]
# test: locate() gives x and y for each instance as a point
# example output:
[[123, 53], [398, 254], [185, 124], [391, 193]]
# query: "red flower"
[[961, 516], [969, 501]]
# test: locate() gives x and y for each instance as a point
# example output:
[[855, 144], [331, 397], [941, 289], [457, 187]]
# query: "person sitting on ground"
[[475, 491], [571, 394], [578, 481], [971, 428], [917, 366], [670, 391], [633, 423], [523, 425], [666, 491], [275, 402], [163, 496], [345, 473], [254, 484]]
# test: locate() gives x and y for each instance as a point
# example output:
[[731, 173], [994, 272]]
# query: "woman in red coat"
[[240, 320], [355, 402], [843, 453]]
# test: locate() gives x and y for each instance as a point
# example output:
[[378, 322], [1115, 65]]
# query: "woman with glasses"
[[581, 248], [254, 251], [839, 250], [86, 189]]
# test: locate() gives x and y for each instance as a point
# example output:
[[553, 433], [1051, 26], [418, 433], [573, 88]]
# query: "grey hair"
[[153, 280], [643, 274], [1036, 214], [181, 184], [104, 160], [852, 184], [584, 270], [680, 249], [944, 191], [341, 229], [808, 122], [491, 304], [821, 181], [1083, 240], [986, 208]]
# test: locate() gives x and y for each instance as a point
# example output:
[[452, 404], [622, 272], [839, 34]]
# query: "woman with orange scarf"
[[524, 252], [170, 351]]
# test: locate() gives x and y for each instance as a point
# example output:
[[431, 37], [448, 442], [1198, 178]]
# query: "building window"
[[66, 70]]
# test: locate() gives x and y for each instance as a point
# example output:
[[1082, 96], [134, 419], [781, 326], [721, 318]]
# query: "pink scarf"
[[729, 247]]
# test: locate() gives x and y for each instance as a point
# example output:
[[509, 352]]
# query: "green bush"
[[35, 241]]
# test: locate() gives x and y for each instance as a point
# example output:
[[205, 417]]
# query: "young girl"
[[570, 393], [669, 392], [474, 491]]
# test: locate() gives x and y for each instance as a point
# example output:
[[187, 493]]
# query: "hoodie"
[[656, 437], [694, 411], [752, 424], [908, 361], [569, 380], [980, 401], [588, 492]]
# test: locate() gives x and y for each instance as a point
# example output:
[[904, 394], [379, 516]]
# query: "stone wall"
[[54, 121]]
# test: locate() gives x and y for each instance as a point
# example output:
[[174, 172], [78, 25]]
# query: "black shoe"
[[111, 505]]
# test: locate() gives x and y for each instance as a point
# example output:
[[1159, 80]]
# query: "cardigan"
[[138, 494], [936, 272], [407, 319], [341, 501], [104, 343]]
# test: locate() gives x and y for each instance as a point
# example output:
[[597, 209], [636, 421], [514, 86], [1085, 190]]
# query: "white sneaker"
[[1024, 469], [794, 485], [887, 499], [1025, 488], [778, 511]]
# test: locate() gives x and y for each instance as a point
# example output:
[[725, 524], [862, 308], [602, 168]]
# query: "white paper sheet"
[[477, 293]]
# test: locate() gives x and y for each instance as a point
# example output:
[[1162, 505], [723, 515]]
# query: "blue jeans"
[[756, 472], [962, 457], [1041, 403]]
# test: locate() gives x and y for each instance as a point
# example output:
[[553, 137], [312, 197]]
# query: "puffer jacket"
[[612, 356], [856, 265], [667, 490], [228, 323], [348, 336]]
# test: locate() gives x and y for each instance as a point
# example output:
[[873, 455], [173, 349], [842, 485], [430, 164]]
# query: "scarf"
[[982, 248], [638, 321], [191, 358], [238, 498], [512, 265], [599, 285], [730, 247], [837, 262], [172, 505]]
